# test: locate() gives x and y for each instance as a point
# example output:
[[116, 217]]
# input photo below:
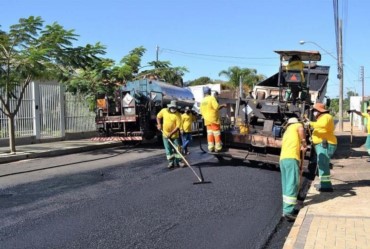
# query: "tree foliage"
[[31, 51], [334, 104], [249, 76], [164, 71], [105, 76], [201, 81]]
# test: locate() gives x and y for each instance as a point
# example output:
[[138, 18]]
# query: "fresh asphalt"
[[116, 198]]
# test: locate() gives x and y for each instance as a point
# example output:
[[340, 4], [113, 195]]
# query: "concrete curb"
[[296, 228], [57, 152]]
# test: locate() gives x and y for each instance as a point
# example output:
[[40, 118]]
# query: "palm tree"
[[249, 76]]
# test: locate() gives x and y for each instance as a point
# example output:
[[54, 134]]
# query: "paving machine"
[[255, 134]]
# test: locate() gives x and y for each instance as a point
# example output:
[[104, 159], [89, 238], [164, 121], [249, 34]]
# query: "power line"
[[221, 60], [217, 56]]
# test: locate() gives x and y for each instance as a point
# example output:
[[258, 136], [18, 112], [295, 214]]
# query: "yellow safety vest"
[[187, 121], [291, 144], [171, 121], [296, 65], [366, 115], [209, 110], [323, 129]]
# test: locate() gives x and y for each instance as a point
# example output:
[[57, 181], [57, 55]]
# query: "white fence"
[[47, 111]]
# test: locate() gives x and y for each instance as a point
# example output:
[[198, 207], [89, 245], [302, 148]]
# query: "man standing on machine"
[[296, 78], [209, 109]]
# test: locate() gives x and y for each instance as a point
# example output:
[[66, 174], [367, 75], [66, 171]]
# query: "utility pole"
[[157, 51], [340, 75], [240, 87], [362, 73]]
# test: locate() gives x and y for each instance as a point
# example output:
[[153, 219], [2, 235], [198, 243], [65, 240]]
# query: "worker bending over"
[[294, 141], [171, 129]]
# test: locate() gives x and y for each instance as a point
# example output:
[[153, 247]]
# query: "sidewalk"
[[53, 149], [340, 219]]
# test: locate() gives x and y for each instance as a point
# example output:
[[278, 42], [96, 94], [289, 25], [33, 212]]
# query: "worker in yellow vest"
[[294, 141], [325, 143], [209, 109], [187, 120], [295, 64], [367, 116], [171, 129]]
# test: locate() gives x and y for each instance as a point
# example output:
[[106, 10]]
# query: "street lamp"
[[303, 42], [339, 76]]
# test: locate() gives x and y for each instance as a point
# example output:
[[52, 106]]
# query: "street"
[[127, 198]]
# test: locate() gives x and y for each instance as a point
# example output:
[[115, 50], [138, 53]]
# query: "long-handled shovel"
[[200, 178], [301, 170]]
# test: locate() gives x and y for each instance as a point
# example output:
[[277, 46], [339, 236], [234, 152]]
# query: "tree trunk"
[[11, 129]]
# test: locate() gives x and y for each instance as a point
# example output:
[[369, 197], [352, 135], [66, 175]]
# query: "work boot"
[[182, 164], [290, 217], [323, 189], [170, 165]]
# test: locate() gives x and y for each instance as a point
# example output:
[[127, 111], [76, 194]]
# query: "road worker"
[[209, 109], [187, 120], [293, 143], [171, 129], [325, 144], [367, 116], [295, 64]]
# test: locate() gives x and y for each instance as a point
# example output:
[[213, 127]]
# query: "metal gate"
[[23, 123], [50, 108], [47, 111]]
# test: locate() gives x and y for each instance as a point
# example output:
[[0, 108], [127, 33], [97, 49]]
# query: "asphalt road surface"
[[127, 198]]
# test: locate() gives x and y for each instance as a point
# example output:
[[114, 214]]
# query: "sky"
[[208, 36]]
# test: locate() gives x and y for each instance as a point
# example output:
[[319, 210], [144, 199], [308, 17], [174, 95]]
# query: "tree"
[[351, 93], [249, 76], [164, 71], [92, 81], [104, 76], [334, 106], [31, 51], [130, 65], [201, 81]]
